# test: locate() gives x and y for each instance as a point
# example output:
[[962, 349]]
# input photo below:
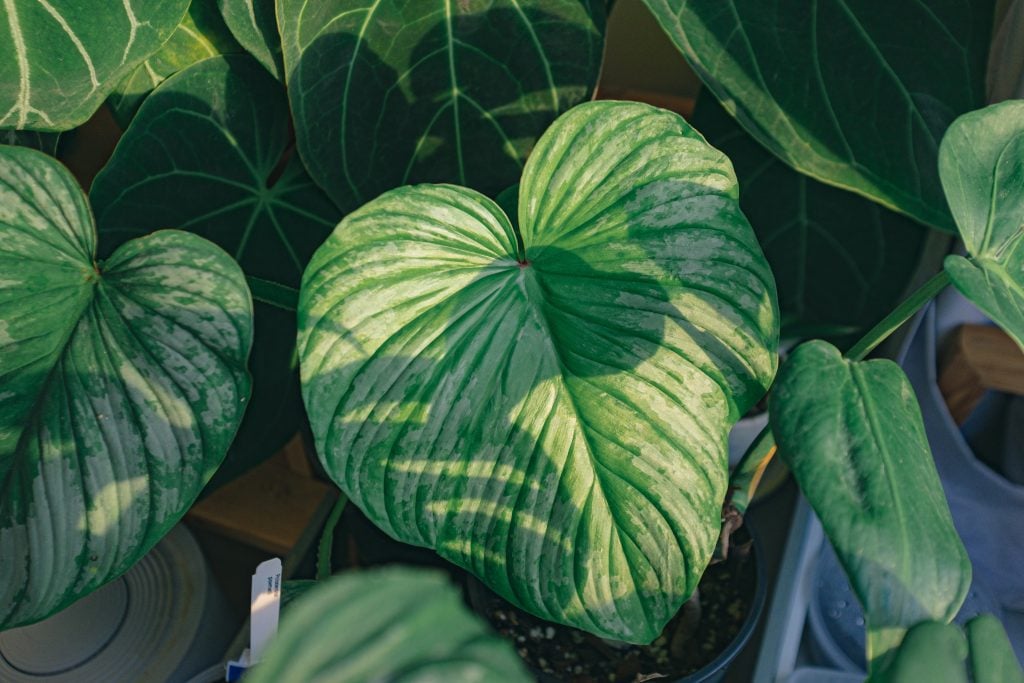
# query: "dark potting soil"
[[567, 655]]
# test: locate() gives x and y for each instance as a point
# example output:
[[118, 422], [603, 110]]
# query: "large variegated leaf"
[[121, 386], [209, 152], [841, 262], [852, 434], [200, 35], [547, 404], [386, 626], [254, 25], [389, 93], [982, 167], [854, 93], [60, 59]]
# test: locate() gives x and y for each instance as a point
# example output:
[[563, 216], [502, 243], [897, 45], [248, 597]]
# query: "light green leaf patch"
[[209, 152], [852, 434], [121, 386], [200, 35], [254, 25], [546, 404], [393, 625], [982, 166], [853, 93], [390, 93], [60, 59]]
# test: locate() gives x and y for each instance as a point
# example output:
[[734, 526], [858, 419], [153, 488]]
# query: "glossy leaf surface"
[[852, 434], [407, 91], [208, 152], [391, 625], [59, 60], [841, 262], [121, 387], [850, 92], [200, 35], [982, 166], [254, 25], [547, 404]]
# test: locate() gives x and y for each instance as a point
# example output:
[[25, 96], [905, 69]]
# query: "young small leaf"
[[392, 625], [59, 61], [121, 387], [254, 25], [386, 94], [981, 162], [547, 404], [852, 434]]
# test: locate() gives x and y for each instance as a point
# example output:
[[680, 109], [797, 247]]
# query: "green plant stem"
[[747, 475], [273, 293], [901, 314], [326, 548]]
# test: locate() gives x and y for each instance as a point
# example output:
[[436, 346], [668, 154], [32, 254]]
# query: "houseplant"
[[510, 390]]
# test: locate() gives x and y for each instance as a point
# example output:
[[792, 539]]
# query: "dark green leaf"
[[547, 404], [47, 143], [982, 167], [201, 34], [254, 25], [209, 152], [854, 93], [59, 61], [121, 387], [392, 625], [852, 434], [410, 91], [840, 261]]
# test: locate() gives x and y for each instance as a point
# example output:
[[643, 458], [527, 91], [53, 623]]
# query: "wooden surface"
[[978, 358]]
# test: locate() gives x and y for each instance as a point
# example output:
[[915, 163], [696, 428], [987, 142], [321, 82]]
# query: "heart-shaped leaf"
[[982, 166], [200, 35], [853, 436], [254, 25], [60, 60], [854, 93], [409, 91], [392, 625], [209, 152], [841, 262], [121, 387], [547, 405]]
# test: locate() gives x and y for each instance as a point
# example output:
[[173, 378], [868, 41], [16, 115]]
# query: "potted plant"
[[541, 395]]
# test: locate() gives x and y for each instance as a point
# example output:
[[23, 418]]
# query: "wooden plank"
[[978, 358], [271, 507]]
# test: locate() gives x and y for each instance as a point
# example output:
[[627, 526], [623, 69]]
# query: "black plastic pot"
[[713, 672]]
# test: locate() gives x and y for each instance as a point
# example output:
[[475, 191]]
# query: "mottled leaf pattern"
[[254, 25], [59, 59], [852, 434], [200, 35], [390, 92], [841, 262], [209, 152], [547, 404], [854, 93], [388, 626], [121, 386], [982, 168]]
